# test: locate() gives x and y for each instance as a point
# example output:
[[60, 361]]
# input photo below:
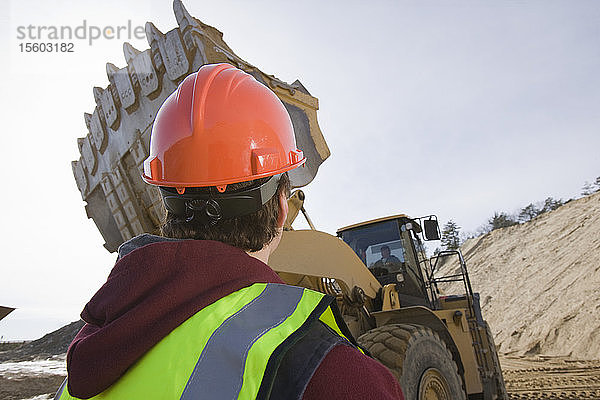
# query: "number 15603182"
[[46, 47]]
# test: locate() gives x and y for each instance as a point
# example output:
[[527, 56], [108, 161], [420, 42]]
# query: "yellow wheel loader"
[[438, 347]]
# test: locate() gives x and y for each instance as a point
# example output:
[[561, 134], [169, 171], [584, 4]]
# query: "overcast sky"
[[458, 108]]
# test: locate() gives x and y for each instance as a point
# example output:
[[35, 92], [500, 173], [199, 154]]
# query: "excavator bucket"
[[108, 173]]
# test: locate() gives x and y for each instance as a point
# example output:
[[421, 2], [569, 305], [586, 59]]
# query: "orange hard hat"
[[220, 126]]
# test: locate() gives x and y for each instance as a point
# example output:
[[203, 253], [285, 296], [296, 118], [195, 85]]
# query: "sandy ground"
[[539, 282], [551, 378]]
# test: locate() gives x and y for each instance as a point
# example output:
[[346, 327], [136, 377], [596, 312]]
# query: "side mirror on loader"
[[432, 229]]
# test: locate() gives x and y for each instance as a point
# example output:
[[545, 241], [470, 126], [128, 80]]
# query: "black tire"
[[500, 387], [418, 358]]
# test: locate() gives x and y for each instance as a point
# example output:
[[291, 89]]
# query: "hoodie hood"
[[156, 285]]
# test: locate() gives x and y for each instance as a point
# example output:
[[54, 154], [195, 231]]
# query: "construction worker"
[[196, 313], [389, 262]]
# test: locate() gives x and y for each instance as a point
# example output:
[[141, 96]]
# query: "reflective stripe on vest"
[[225, 350]]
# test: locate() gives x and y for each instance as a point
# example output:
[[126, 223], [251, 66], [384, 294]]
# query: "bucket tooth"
[[111, 69], [171, 51], [174, 55], [97, 130], [186, 23], [129, 52], [80, 177], [106, 102], [155, 40], [146, 76], [88, 154], [152, 33], [98, 95], [88, 120], [121, 85], [183, 17]]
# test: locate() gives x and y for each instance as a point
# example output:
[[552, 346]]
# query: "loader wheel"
[[497, 376], [418, 358]]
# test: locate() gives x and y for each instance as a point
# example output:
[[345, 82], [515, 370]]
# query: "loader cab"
[[389, 247]]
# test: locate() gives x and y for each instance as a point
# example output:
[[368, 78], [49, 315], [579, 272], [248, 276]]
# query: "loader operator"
[[388, 262], [196, 313]]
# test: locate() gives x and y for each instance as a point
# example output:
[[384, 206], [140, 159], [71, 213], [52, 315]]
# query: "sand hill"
[[540, 281]]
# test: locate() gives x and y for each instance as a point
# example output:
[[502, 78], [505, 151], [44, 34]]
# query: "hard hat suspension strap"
[[208, 204], [209, 207]]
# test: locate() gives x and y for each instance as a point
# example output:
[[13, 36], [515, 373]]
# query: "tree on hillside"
[[450, 236], [501, 220], [529, 212], [482, 229], [587, 189], [551, 204], [597, 184]]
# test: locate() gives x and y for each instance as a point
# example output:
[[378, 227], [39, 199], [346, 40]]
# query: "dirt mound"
[[539, 281], [53, 343]]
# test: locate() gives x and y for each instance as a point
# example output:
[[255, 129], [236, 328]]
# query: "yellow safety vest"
[[231, 349]]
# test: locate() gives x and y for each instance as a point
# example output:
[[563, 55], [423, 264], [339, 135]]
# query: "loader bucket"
[[108, 173]]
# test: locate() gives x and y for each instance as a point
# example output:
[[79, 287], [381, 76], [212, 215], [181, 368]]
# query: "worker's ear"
[[283, 210]]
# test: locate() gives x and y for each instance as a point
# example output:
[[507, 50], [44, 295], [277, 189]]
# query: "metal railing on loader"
[[483, 345]]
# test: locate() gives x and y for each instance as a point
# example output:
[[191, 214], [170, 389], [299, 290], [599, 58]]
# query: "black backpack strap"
[[302, 360]]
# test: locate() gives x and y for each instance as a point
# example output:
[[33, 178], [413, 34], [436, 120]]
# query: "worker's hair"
[[248, 232]]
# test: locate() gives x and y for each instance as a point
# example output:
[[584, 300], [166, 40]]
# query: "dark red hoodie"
[[157, 284]]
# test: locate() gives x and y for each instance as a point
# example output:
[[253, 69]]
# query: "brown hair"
[[248, 232]]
